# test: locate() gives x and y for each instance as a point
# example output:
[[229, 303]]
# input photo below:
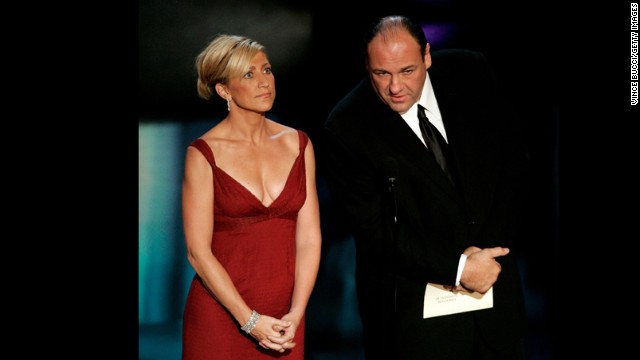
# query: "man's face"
[[397, 69]]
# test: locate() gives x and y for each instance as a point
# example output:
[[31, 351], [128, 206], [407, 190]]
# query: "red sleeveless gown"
[[256, 245]]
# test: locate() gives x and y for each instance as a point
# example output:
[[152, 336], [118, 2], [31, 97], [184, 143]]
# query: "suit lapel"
[[472, 158], [410, 147]]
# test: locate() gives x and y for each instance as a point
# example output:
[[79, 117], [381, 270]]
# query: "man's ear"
[[427, 56]]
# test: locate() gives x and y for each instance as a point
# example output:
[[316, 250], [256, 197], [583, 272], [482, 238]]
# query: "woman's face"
[[255, 90]]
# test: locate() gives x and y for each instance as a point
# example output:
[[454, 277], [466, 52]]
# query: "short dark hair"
[[390, 23]]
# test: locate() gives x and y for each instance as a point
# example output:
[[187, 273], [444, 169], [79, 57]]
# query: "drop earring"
[[228, 105]]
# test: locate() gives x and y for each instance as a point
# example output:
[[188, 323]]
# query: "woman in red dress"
[[250, 214]]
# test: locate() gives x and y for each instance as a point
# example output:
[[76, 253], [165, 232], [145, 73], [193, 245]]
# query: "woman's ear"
[[222, 91]]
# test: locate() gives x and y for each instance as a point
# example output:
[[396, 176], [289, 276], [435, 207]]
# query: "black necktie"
[[434, 141]]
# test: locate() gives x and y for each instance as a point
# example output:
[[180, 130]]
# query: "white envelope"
[[438, 301]]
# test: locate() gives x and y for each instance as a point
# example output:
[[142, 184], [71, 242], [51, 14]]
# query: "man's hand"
[[481, 269]]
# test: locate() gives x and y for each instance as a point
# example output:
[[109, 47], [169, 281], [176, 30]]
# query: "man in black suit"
[[452, 218]]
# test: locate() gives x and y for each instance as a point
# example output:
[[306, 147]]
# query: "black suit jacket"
[[365, 143]]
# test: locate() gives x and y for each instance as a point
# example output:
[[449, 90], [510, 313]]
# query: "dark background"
[[315, 51], [82, 81], [315, 47]]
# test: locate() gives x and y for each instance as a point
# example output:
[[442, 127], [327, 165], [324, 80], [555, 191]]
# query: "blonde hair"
[[226, 57]]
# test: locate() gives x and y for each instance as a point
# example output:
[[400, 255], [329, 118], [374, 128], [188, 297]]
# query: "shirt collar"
[[427, 98]]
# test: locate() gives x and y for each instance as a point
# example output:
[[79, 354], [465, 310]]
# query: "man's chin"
[[399, 108]]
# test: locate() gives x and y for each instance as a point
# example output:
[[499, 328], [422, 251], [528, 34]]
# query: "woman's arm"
[[308, 243], [197, 217]]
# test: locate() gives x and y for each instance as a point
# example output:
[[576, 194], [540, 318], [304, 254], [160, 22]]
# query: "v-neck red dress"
[[256, 245]]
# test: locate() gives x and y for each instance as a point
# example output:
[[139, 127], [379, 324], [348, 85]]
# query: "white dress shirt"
[[428, 101]]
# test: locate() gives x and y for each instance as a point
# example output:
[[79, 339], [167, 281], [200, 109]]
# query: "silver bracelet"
[[251, 323]]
